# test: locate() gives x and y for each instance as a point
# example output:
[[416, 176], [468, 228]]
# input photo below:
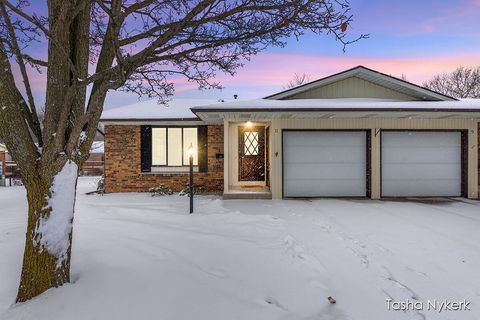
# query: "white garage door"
[[421, 163], [324, 163]]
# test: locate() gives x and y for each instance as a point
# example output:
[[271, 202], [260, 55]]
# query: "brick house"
[[131, 168], [358, 133]]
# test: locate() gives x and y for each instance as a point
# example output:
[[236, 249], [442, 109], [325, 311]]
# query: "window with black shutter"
[[202, 149], [146, 148], [165, 148]]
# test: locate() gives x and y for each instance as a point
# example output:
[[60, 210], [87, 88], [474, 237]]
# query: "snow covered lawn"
[[138, 257]]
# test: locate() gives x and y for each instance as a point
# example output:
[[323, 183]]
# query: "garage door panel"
[[324, 163], [421, 163], [328, 138], [327, 154], [422, 155], [333, 188], [421, 139], [429, 188], [420, 171], [324, 171]]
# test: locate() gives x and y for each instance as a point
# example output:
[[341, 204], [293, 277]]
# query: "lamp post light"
[[190, 152]]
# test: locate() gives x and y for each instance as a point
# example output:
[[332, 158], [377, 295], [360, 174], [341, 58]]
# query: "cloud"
[[416, 18], [268, 72], [459, 19], [276, 68]]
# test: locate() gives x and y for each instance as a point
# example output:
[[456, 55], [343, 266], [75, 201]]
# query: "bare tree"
[[95, 46], [401, 77], [297, 80], [463, 82]]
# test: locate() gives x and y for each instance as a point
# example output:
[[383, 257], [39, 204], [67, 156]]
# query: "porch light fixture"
[[190, 152], [249, 124]]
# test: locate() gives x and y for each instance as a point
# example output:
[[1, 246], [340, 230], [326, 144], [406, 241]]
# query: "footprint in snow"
[[274, 302], [390, 277], [218, 273], [417, 272], [324, 227], [293, 247], [363, 257]]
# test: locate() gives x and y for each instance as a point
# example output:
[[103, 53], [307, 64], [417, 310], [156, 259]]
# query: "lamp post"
[[190, 152]]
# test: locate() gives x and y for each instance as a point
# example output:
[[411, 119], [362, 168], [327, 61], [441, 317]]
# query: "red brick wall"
[[123, 170]]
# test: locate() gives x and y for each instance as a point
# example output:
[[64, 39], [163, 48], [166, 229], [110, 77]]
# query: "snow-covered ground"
[[138, 257]]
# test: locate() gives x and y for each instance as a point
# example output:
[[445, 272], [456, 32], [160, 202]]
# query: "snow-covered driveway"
[[138, 257]]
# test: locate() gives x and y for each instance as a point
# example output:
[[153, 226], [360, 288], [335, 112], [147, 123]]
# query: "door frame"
[[463, 158], [368, 169], [261, 156], [234, 156]]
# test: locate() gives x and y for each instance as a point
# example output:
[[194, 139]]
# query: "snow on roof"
[[350, 104], [178, 109]]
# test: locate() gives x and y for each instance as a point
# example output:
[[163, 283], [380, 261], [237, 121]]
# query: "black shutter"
[[202, 133], [146, 148]]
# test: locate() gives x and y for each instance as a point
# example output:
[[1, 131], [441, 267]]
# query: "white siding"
[[352, 87]]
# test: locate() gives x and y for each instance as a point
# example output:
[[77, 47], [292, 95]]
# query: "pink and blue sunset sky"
[[415, 38]]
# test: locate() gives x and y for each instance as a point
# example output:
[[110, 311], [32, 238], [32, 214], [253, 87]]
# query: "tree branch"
[[31, 114]]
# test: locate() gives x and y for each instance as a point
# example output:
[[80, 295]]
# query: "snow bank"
[[54, 230], [97, 147], [142, 257]]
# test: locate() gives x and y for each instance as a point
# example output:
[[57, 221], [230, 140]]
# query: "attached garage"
[[358, 133], [325, 163], [421, 163]]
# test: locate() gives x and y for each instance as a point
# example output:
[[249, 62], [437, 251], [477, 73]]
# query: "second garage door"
[[324, 163], [421, 164]]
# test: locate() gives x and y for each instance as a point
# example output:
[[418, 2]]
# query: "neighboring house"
[[358, 133], [94, 165], [3, 148], [9, 168]]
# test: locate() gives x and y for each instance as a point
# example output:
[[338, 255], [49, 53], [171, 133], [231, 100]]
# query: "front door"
[[251, 153]]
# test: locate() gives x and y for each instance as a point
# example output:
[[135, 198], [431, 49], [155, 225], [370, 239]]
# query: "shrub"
[[161, 190], [197, 189]]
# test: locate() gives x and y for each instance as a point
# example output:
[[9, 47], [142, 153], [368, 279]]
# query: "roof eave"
[[149, 119], [334, 109]]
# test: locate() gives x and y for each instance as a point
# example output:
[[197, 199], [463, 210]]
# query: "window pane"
[[250, 143], [190, 136], [174, 146], [159, 147]]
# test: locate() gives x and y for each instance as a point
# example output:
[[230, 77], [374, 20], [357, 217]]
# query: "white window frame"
[[174, 168]]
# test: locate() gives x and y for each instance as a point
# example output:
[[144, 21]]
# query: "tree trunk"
[[46, 260]]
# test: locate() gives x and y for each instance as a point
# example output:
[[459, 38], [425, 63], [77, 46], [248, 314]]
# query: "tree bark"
[[41, 269]]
